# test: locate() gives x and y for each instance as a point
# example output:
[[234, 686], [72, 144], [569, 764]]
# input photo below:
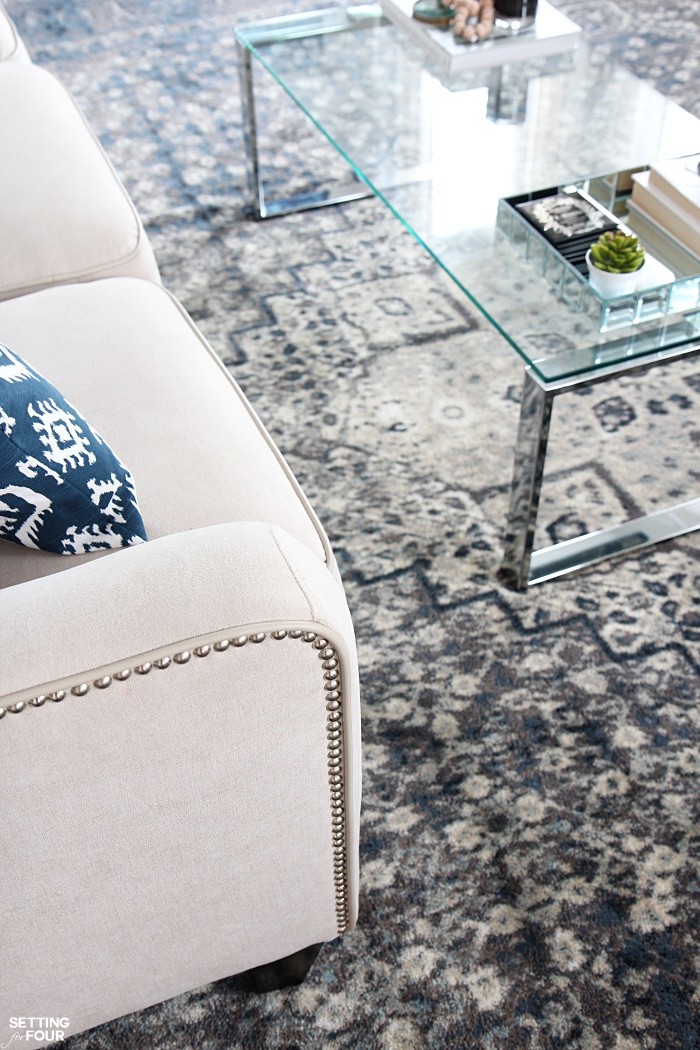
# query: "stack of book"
[[668, 196]]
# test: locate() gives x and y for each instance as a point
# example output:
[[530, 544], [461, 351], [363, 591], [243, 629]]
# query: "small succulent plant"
[[617, 252]]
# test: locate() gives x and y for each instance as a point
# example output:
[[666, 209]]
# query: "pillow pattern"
[[62, 489]]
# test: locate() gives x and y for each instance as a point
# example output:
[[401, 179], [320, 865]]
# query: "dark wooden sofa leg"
[[284, 973]]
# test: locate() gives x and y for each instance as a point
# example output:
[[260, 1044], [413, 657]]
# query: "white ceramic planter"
[[610, 285]]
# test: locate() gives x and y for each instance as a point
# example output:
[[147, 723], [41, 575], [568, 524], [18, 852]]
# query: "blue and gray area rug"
[[530, 846]]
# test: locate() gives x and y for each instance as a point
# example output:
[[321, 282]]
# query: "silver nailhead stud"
[[162, 663], [16, 708], [202, 650], [121, 676], [260, 637], [2, 712], [103, 683], [279, 635], [143, 668], [327, 654], [241, 640], [183, 657], [308, 636], [38, 701], [295, 634], [320, 643], [80, 690], [222, 646], [57, 696]]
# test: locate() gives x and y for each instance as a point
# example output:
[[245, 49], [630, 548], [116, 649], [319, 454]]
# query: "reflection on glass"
[[507, 98], [441, 151], [515, 15]]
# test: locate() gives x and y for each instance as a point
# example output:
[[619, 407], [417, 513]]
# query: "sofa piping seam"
[[297, 580]]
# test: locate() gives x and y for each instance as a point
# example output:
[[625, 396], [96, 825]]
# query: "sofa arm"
[[181, 734], [82, 621]]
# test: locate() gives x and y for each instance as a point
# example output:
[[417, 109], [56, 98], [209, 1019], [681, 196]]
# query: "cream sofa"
[[179, 720]]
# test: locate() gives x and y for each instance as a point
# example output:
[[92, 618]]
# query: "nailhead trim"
[[332, 688]]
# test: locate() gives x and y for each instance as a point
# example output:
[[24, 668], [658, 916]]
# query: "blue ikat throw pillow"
[[62, 489]]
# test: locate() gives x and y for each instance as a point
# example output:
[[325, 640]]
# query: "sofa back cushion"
[[64, 214]]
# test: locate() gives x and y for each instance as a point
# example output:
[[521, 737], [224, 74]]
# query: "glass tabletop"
[[444, 151]]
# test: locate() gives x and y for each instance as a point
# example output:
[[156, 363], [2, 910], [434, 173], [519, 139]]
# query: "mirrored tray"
[[609, 195]]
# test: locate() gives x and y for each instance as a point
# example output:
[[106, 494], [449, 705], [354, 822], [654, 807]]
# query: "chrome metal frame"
[[268, 32], [522, 566]]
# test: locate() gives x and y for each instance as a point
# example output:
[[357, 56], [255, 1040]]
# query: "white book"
[[661, 242], [551, 34], [666, 211], [680, 180]]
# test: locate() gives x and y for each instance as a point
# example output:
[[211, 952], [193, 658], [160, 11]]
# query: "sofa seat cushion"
[[126, 352], [62, 489], [64, 214], [11, 46]]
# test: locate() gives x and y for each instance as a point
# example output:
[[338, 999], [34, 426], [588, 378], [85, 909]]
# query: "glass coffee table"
[[452, 155]]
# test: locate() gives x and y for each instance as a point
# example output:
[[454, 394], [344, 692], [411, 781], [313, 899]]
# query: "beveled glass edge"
[[638, 350], [308, 23]]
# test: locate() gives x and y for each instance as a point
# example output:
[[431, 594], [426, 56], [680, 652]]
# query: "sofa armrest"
[[191, 761], [79, 623]]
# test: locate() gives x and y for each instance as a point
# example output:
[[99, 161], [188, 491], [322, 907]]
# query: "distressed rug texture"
[[530, 845]]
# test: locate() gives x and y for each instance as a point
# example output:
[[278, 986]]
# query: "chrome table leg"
[[522, 566], [263, 208], [250, 130], [528, 469]]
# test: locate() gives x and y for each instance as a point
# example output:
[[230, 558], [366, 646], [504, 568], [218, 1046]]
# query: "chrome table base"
[[522, 566], [262, 207]]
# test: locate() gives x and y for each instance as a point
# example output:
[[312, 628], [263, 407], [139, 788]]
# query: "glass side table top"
[[442, 152]]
